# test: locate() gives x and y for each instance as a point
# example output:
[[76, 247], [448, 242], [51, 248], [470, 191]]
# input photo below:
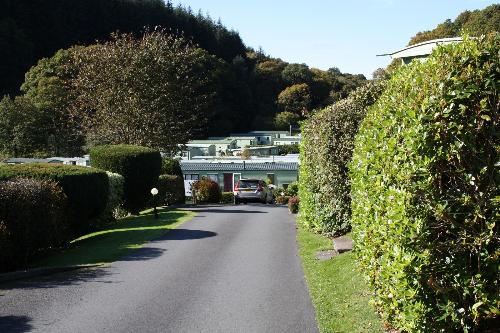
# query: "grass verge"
[[337, 289], [117, 240]]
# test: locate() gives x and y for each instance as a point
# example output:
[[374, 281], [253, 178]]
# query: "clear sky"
[[347, 34]]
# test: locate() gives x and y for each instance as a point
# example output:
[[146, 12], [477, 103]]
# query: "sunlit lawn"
[[118, 239], [337, 289]]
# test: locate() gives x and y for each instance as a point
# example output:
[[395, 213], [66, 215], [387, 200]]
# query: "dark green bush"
[[288, 149], [171, 189], [425, 189], [206, 191], [86, 189], [32, 218], [292, 190], [170, 166], [227, 198], [140, 167], [326, 149]]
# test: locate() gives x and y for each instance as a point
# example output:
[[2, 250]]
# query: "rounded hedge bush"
[[32, 218], [171, 166], [171, 189], [206, 191], [326, 149], [86, 189], [140, 167], [425, 189]]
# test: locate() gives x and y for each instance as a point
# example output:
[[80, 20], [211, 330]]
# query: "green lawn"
[[118, 239], [337, 289]]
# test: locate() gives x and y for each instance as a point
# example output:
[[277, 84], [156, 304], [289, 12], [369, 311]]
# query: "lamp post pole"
[[154, 192]]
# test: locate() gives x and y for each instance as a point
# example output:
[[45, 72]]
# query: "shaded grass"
[[117, 240], [337, 289]]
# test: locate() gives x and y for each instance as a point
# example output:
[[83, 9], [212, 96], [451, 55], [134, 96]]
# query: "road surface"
[[230, 269]]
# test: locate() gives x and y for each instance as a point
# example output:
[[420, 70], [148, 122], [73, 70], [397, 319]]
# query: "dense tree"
[[474, 23], [155, 91], [296, 99], [296, 74], [283, 120]]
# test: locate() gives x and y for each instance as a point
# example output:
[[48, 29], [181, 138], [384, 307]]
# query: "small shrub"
[[32, 218], [292, 190], [86, 189], [171, 189], [227, 198], [206, 191], [282, 199], [326, 149], [293, 205], [171, 166], [425, 189], [288, 149], [139, 166]]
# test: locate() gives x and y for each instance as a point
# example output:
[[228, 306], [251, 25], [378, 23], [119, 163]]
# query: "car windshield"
[[249, 184]]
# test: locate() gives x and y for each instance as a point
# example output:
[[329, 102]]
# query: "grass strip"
[[117, 240], [338, 291]]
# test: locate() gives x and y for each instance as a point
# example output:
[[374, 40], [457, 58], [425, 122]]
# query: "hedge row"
[[425, 189], [86, 189], [171, 189], [206, 191], [140, 167], [33, 216], [326, 149]]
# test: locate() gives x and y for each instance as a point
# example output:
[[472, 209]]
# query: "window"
[[191, 177], [213, 176]]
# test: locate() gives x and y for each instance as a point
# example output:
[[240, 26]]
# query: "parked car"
[[246, 190]]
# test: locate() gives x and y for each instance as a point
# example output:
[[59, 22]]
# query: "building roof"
[[288, 139], [421, 49], [254, 148], [218, 166], [250, 137], [210, 142], [22, 160]]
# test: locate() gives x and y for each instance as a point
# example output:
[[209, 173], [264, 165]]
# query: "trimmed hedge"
[[171, 189], [86, 189], [425, 192], [32, 218], [114, 208], [140, 167], [206, 191], [227, 198], [325, 151]]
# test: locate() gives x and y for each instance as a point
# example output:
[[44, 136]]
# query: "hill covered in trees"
[[474, 23]]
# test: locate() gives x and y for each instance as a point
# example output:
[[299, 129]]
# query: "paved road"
[[230, 269]]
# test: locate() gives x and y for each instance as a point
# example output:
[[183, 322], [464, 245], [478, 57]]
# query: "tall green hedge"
[[140, 167], [32, 218], [86, 188], [171, 189], [326, 149], [425, 192]]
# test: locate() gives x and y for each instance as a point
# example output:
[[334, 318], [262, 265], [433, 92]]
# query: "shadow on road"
[[229, 211], [15, 324], [185, 234], [85, 275], [144, 253]]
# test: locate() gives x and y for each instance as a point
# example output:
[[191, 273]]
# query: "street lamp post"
[[154, 192]]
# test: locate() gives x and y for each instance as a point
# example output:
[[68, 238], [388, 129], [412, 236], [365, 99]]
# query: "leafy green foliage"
[[155, 91], [326, 149], [86, 189], [114, 208], [425, 189], [474, 23], [294, 74], [227, 198], [296, 99], [206, 191], [288, 149], [139, 166], [170, 166], [283, 120], [32, 218], [171, 189]]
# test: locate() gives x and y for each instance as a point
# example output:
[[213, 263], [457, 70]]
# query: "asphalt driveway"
[[230, 269]]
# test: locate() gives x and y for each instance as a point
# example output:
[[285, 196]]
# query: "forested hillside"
[[249, 82], [474, 23]]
